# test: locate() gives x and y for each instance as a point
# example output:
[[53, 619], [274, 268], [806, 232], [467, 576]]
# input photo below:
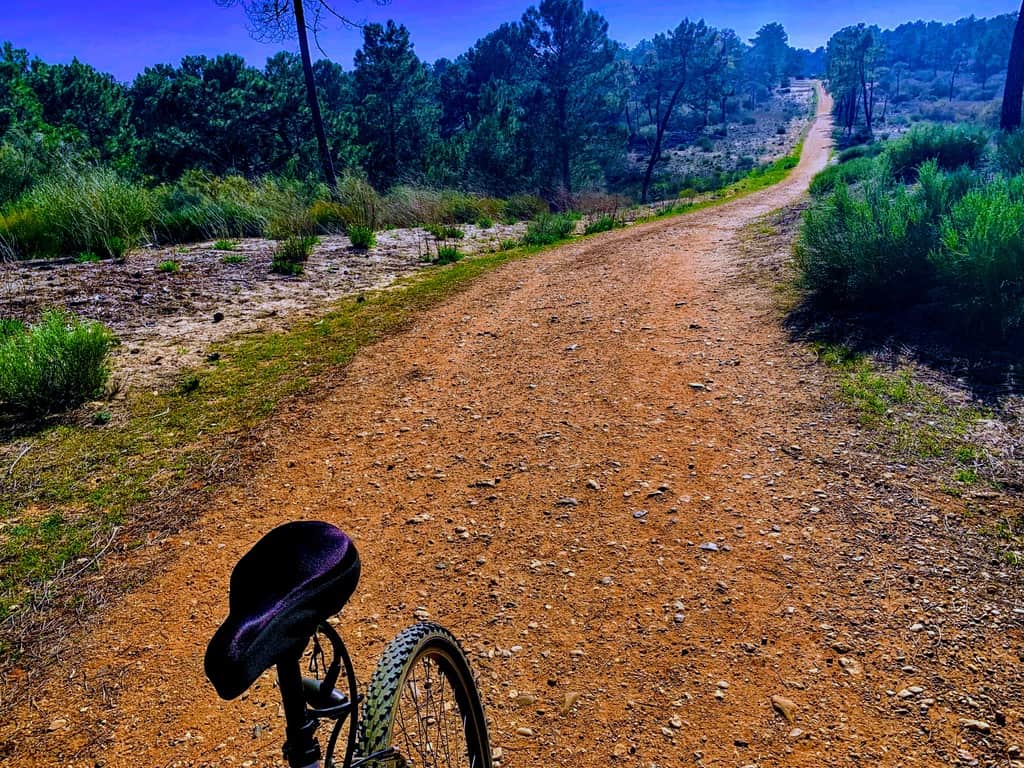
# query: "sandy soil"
[[169, 321], [611, 474]]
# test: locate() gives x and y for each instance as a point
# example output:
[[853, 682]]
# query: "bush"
[[845, 174], [524, 208], [328, 216], [360, 203], [980, 259], [460, 208], [864, 247], [53, 365], [447, 254], [78, 210], [291, 254], [1010, 152], [234, 258], [485, 222], [225, 245], [601, 224], [168, 266], [361, 237], [444, 232], [858, 151], [950, 147], [10, 327], [203, 207], [549, 228]]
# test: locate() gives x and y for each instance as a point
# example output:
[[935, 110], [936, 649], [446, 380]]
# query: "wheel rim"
[[431, 727]]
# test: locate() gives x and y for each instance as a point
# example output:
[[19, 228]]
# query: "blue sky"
[[122, 36]]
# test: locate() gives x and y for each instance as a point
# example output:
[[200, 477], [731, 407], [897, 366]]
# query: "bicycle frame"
[[308, 701]]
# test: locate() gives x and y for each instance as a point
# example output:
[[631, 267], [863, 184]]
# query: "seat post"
[[301, 749]]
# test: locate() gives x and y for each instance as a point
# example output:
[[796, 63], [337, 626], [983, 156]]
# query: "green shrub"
[[86, 257], [844, 174], [705, 143], [360, 203], [864, 247], [281, 266], [361, 237], [203, 207], [291, 254], [524, 208], [234, 258], [225, 245], [601, 224], [10, 327], [1010, 152], [168, 266], [508, 244], [951, 147], [55, 364], [78, 209], [549, 228], [485, 222], [410, 206], [328, 216], [858, 151], [980, 259], [447, 254], [444, 232], [460, 208]]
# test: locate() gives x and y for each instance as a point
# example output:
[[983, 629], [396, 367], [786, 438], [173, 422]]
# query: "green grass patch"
[[225, 245], [604, 223], [168, 266], [53, 365], [548, 229], [918, 422], [234, 258], [361, 237]]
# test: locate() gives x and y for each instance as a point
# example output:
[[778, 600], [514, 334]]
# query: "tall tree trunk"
[[1013, 92], [659, 134], [314, 103], [563, 142]]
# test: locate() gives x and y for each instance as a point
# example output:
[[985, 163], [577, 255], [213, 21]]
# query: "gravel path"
[[609, 472]]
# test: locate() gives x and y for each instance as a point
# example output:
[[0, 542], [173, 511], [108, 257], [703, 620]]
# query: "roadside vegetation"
[[934, 220]]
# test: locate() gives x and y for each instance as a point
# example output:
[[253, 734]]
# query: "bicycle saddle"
[[292, 579]]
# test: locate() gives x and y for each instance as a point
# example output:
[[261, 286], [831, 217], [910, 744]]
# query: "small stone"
[[524, 731], [571, 697], [593, 484], [722, 684], [698, 386], [675, 721], [906, 693], [709, 546], [57, 724], [975, 725], [719, 694], [218, 316], [916, 627], [568, 501], [640, 513], [852, 667], [796, 733], [841, 646], [785, 707], [524, 700]]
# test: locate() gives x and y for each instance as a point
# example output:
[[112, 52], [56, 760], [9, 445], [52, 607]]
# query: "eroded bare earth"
[[608, 471]]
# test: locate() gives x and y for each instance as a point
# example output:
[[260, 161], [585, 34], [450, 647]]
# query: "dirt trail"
[[543, 464]]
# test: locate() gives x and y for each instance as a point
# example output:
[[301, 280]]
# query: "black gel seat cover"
[[292, 579]]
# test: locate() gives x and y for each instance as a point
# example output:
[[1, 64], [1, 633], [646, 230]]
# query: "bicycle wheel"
[[423, 702]]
